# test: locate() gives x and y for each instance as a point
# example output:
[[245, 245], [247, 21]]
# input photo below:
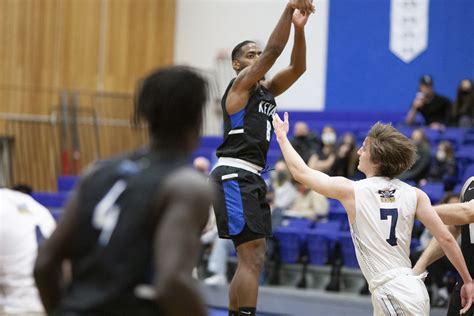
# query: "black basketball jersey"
[[467, 246], [112, 248], [247, 133], [467, 234]]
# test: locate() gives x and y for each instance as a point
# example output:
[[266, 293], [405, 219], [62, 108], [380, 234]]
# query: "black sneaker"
[[467, 192]]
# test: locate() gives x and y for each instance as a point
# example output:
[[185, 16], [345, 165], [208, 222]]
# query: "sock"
[[233, 313], [247, 311]]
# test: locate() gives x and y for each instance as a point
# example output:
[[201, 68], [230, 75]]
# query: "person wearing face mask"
[[304, 141], [463, 107], [324, 161], [284, 190], [422, 165], [443, 167]]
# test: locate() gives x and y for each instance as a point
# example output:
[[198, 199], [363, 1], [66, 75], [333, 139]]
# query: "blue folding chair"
[[348, 250], [434, 190]]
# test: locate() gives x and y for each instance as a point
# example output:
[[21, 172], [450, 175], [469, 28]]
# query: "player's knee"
[[253, 256]]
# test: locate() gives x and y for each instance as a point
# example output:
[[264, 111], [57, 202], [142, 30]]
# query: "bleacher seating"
[[66, 183], [434, 190], [300, 235], [51, 199], [348, 250]]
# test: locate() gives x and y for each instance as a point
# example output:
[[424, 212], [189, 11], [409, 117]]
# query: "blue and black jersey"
[[111, 250], [247, 133]]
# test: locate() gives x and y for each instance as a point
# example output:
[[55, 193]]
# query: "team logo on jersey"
[[266, 108], [387, 195]]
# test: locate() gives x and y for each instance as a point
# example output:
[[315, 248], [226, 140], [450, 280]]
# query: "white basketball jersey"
[[381, 232], [20, 218]]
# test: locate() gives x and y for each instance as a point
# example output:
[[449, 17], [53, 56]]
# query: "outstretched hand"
[[300, 18], [467, 294], [305, 6], [281, 127]]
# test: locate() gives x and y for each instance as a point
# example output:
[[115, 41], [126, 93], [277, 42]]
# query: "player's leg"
[[233, 299], [251, 257]]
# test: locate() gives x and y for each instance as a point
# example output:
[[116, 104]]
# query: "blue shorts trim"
[[235, 209]]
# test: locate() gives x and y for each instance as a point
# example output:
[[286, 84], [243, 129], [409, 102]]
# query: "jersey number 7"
[[393, 213]]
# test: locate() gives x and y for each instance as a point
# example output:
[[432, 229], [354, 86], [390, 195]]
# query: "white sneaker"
[[216, 279]]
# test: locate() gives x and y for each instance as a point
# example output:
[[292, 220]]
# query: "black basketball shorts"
[[240, 200], [455, 302]]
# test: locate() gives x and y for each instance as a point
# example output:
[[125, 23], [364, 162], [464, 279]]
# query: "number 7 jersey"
[[381, 232]]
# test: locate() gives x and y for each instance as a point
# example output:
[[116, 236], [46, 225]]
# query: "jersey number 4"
[[393, 213], [106, 212]]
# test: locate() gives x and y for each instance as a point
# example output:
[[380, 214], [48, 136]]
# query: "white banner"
[[206, 28], [408, 28]]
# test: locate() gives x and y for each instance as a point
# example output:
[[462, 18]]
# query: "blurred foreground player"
[[136, 220], [460, 218], [381, 211]]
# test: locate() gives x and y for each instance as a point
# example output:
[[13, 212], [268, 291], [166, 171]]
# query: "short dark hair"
[[391, 150], [24, 188], [171, 100], [237, 51], [427, 80]]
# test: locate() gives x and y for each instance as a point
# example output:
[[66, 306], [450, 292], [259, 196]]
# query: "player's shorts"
[[400, 292], [240, 202], [455, 302]]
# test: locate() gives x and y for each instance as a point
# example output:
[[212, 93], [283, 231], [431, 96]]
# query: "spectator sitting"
[[284, 190], [444, 168], [346, 157], [217, 263], [324, 161], [305, 142], [308, 204], [433, 107], [463, 107], [422, 165], [209, 233]]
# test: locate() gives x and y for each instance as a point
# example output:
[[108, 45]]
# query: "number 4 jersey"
[[247, 133], [111, 250], [381, 232]]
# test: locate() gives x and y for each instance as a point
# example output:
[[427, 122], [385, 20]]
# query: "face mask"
[[281, 177], [465, 92], [328, 138], [301, 138], [278, 177], [441, 155]]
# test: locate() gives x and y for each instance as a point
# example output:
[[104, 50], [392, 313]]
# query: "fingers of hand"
[[466, 304], [276, 118]]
